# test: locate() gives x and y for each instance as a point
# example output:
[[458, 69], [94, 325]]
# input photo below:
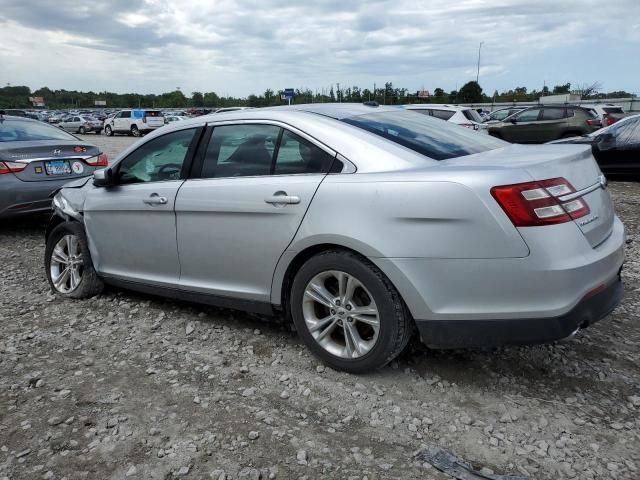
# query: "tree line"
[[471, 92]]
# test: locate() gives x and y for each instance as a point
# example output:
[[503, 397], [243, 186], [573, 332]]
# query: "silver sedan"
[[362, 224]]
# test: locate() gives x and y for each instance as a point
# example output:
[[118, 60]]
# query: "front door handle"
[[281, 198], [155, 199]]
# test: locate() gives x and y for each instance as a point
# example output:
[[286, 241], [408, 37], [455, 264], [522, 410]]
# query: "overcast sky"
[[246, 46]]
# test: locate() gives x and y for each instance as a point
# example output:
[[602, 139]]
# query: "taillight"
[[11, 167], [537, 203], [466, 125], [144, 119], [610, 120], [100, 161], [593, 122]]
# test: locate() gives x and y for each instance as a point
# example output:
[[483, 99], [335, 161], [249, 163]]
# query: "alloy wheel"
[[66, 265], [341, 314]]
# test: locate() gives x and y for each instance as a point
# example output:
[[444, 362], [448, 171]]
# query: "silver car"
[[363, 224], [81, 124]]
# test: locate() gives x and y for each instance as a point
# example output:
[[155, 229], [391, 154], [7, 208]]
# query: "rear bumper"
[[524, 331]]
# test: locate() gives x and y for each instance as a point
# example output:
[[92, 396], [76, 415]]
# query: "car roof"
[[19, 119], [439, 106]]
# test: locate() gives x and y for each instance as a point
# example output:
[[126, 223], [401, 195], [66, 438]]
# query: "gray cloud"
[[245, 46]]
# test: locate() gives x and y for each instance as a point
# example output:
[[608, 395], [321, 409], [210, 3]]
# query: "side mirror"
[[103, 177], [513, 120]]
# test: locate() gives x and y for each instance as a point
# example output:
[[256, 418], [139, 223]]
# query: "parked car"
[[607, 113], [502, 113], [616, 148], [463, 116], [174, 118], [81, 124], [360, 223], [543, 123], [35, 160], [134, 122]]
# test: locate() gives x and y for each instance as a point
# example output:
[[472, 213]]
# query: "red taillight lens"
[[592, 122], [11, 167], [100, 161], [610, 120], [533, 204]]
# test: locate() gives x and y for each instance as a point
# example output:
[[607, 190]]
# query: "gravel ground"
[[132, 386]]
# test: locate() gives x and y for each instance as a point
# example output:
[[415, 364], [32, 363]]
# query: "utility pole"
[[478, 73]]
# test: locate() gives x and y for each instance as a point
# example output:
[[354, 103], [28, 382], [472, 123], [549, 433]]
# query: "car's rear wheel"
[[68, 262], [348, 313], [82, 130], [134, 131], [107, 131]]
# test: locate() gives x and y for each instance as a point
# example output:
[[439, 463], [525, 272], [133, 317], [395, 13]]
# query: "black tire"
[[134, 131], [396, 324], [90, 284], [82, 130], [108, 131]]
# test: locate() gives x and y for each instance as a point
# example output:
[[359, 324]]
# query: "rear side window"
[[19, 130], [240, 151], [529, 115], [553, 113], [297, 155], [472, 115], [259, 150], [443, 114], [428, 136]]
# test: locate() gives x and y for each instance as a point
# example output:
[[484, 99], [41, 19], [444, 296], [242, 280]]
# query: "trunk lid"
[[49, 159], [153, 118], [574, 163]]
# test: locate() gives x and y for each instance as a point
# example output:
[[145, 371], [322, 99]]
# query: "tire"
[[373, 291], [134, 131], [82, 130], [108, 132], [88, 283]]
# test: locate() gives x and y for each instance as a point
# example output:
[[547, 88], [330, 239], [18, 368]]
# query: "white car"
[[464, 116], [607, 112], [174, 118], [136, 122]]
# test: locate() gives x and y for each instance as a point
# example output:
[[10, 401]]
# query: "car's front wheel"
[[348, 313], [68, 262], [108, 131]]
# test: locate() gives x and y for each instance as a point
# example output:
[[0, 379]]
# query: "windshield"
[[18, 130], [426, 135], [472, 115]]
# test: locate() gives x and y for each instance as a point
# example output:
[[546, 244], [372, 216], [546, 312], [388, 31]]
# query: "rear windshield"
[[152, 113], [426, 135], [16, 131], [472, 115], [613, 110]]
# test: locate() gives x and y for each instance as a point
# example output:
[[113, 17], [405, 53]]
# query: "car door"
[[552, 124], [523, 127], [235, 221], [131, 224], [123, 121]]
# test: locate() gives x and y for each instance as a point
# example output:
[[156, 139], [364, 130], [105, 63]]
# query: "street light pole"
[[478, 73]]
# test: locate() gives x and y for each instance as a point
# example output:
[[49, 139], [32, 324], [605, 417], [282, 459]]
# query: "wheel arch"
[[291, 262]]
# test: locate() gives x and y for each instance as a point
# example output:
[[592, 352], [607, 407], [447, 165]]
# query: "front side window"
[[529, 115], [425, 135], [125, 114], [160, 159]]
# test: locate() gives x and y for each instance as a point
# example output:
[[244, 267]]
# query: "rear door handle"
[[155, 199], [281, 198]]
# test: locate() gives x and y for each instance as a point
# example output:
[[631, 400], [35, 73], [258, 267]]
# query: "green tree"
[[471, 92], [560, 89], [197, 99]]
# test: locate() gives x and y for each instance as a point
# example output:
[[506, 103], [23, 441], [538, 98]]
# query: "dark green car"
[[542, 124]]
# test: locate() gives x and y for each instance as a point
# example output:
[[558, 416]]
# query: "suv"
[[545, 123], [464, 116], [133, 122]]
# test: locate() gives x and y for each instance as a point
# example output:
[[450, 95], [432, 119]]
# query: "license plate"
[[57, 167]]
